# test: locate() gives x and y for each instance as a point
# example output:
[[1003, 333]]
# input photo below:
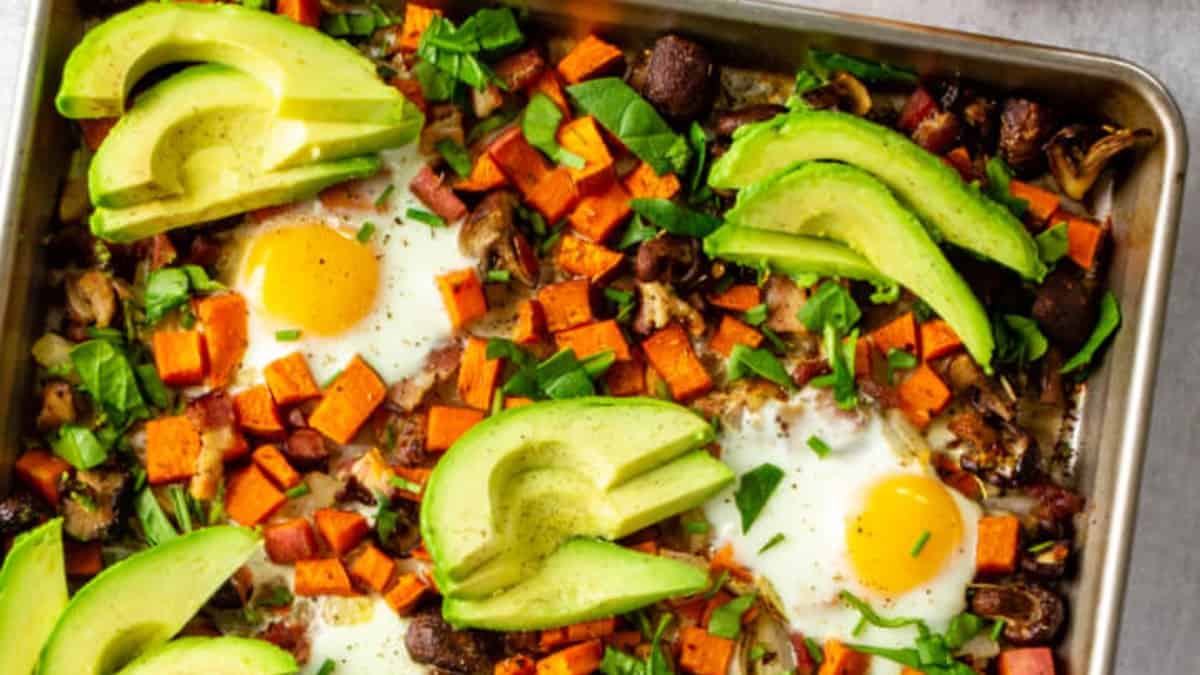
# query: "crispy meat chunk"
[[1025, 126], [91, 507], [58, 405]]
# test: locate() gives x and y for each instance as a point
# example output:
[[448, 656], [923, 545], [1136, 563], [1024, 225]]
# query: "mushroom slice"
[[1032, 614], [491, 233], [765, 648], [1078, 153]]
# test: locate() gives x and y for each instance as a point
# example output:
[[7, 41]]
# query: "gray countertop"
[[1162, 607]]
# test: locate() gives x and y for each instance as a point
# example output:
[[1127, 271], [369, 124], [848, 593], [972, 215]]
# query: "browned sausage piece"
[[432, 641], [679, 78], [306, 447], [1025, 126]]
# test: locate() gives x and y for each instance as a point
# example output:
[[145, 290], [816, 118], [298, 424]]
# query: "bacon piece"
[[432, 190]]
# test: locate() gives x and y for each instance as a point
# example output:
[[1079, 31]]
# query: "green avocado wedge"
[[932, 190], [227, 193], [142, 601], [797, 257], [846, 204], [214, 656], [312, 76], [584, 579], [142, 157], [520, 483], [33, 593]]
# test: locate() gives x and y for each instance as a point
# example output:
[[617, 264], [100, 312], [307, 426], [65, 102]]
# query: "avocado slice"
[[796, 256], [517, 485], [143, 155], [584, 579], [214, 188], [33, 592], [957, 211], [142, 601], [841, 202], [214, 656], [313, 76]]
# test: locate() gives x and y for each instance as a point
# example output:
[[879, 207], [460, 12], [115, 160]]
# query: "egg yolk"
[[312, 277], [908, 528]]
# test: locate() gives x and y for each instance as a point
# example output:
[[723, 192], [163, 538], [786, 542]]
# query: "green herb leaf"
[[698, 142], [875, 619], [868, 71], [899, 359], [327, 667], [814, 650], [696, 527], [726, 620], [756, 315], [841, 358], [1052, 243], [501, 348], [436, 85], [617, 662], [756, 652], [402, 483], [182, 506], [624, 301], [962, 628], [430, 219], [773, 542], [637, 232], [597, 365], [155, 524], [540, 128], [336, 25], [454, 51], [919, 544], [158, 393], [108, 377], [754, 489], [455, 155], [274, 597], [830, 305], [1106, 325], [676, 219], [498, 276], [922, 311], [166, 289], [289, 335], [365, 232], [1038, 548], [819, 447], [386, 520], [298, 491], [997, 630], [79, 446], [562, 376], [744, 361], [634, 121], [998, 178], [1018, 339]]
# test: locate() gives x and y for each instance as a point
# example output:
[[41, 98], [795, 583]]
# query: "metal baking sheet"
[[1144, 207]]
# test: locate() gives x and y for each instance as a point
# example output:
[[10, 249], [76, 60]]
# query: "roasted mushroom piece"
[[1025, 126], [91, 507], [1032, 614], [844, 92], [1047, 562], [58, 405], [432, 641], [1011, 459], [1078, 153], [730, 121], [660, 306], [670, 260], [91, 298], [1066, 309], [490, 233], [679, 78]]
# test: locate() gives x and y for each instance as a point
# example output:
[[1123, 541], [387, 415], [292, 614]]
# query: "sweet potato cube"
[[738, 298], [172, 448], [446, 424], [373, 568], [405, 593], [290, 380], [348, 402], [841, 660], [923, 395], [566, 304], [670, 352], [256, 412], [519, 161], [224, 318], [341, 530], [1026, 661], [531, 323], [555, 195], [595, 338], [702, 653], [582, 136], [938, 339], [899, 333], [598, 216], [416, 20], [733, 332], [579, 659], [626, 378], [43, 472], [462, 294], [276, 466], [250, 497], [585, 259], [322, 577], [998, 545], [644, 183], [477, 375], [180, 357], [590, 57], [485, 176]]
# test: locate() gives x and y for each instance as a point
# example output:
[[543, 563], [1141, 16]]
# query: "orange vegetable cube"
[[582, 137], [922, 395], [1042, 203], [595, 338], [516, 402], [555, 195], [626, 378], [585, 259], [172, 448], [179, 356], [566, 304], [347, 404], [446, 424], [531, 323], [670, 352], [322, 577], [702, 653], [520, 664], [276, 466], [303, 12], [598, 216], [644, 183], [1026, 661], [250, 497], [591, 57], [485, 176], [900, 333], [550, 84], [373, 569], [477, 375], [519, 161], [733, 332], [256, 412], [938, 339], [1084, 238], [580, 659], [416, 20], [341, 530], [841, 660], [862, 357], [43, 472], [723, 561], [405, 593], [417, 475], [290, 541], [290, 380], [998, 545], [738, 298], [224, 318], [462, 293], [578, 632]]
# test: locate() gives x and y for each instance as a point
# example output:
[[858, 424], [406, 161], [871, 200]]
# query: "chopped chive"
[[290, 335], [550, 241], [919, 545], [757, 652], [383, 196], [327, 667], [777, 343], [717, 584], [772, 542], [819, 447], [365, 232], [430, 219], [814, 650], [859, 627], [498, 276], [997, 630], [298, 491], [1038, 548], [756, 315], [497, 402], [402, 483], [696, 527]]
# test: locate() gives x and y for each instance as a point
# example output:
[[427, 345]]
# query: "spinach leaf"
[[617, 662], [597, 365], [726, 620], [698, 142], [774, 541], [436, 85], [868, 71], [637, 232], [1018, 339], [108, 377], [79, 446], [632, 119], [753, 491], [490, 124], [830, 305], [962, 628], [540, 127], [170, 287], [744, 361], [494, 29], [1052, 243], [155, 525], [998, 177], [676, 219], [1106, 324], [562, 376], [147, 375], [870, 616], [455, 155], [181, 504], [453, 51], [841, 357], [199, 280]]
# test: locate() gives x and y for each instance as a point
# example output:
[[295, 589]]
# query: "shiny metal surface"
[[1144, 207]]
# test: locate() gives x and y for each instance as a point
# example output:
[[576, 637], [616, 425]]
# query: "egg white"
[[811, 508], [407, 319], [360, 635]]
